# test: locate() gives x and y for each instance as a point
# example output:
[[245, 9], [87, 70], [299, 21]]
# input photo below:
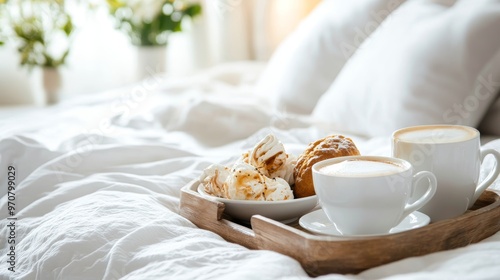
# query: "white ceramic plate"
[[283, 211], [318, 222]]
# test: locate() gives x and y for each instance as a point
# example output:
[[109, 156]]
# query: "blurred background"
[[73, 48]]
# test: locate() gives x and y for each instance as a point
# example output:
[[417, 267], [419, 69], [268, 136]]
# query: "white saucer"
[[318, 222]]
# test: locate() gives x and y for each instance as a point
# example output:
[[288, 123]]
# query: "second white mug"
[[453, 154]]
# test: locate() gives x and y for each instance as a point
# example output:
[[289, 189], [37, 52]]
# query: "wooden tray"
[[319, 254]]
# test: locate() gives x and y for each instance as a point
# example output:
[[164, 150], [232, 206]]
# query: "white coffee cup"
[[364, 195], [453, 154]]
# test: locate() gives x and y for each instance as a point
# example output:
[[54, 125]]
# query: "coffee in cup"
[[453, 154], [361, 168], [367, 194]]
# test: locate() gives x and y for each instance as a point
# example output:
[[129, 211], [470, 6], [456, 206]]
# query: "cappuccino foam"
[[436, 134], [362, 168]]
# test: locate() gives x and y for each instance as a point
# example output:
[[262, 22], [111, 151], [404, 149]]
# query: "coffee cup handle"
[[431, 190], [491, 177]]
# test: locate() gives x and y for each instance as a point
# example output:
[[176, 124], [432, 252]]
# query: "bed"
[[98, 186], [95, 182]]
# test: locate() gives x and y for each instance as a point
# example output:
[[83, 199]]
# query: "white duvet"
[[98, 183]]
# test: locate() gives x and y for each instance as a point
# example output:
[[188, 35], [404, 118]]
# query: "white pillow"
[[306, 63], [420, 67]]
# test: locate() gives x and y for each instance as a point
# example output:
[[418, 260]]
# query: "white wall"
[[15, 86]]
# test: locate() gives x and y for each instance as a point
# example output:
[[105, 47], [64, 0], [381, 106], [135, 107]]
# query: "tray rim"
[[261, 235]]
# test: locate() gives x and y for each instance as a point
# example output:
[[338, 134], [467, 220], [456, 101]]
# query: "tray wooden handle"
[[320, 254], [208, 214]]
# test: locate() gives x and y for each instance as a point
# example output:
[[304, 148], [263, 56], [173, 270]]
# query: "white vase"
[[229, 29], [51, 84], [151, 60]]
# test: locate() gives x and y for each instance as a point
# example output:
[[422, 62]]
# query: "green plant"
[[2, 23], [42, 29], [149, 22]]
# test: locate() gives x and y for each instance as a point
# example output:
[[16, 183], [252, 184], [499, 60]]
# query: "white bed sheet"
[[98, 183]]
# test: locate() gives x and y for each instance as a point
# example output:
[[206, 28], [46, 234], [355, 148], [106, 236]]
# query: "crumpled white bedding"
[[98, 183]]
